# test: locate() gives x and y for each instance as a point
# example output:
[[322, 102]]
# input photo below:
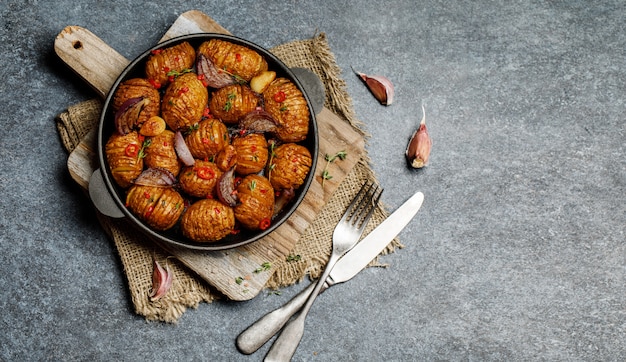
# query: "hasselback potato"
[[256, 202], [207, 220], [200, 179], [165, 64], [238, 60], [206, 140], [232, 102], [159, 207], [184, 102], [251, 152], [124, 157], [138, 88], [160, 152], [289, 166], [285, 102]]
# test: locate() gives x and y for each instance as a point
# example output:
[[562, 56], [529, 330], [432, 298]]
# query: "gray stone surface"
[[518, 253]]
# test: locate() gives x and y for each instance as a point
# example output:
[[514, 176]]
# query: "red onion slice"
[[212, 76], [127, 115], [226, 188], [182, 150], [258, 120], [158, 177]]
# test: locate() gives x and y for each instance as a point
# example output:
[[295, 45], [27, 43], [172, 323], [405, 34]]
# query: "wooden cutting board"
[[100, 65]]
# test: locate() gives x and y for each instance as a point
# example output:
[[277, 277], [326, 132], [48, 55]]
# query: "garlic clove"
[[380, 86], [420, 144], [162, 279]]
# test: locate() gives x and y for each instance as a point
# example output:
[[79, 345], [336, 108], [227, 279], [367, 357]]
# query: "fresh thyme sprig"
[[330, 159]]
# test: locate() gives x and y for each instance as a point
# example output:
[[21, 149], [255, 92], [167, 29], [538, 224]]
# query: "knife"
[[347, 267]]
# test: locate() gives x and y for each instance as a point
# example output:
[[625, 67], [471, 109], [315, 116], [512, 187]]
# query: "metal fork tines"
[[346, 234]]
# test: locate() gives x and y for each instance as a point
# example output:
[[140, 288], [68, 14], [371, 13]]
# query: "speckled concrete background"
[[517, 254]]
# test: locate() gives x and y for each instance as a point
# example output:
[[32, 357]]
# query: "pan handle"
[[101, 197], [313, 87]]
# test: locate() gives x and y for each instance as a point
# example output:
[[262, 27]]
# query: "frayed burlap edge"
[[311, 251]]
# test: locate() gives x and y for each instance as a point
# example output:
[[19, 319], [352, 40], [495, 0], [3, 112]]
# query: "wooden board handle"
[[90, 57]]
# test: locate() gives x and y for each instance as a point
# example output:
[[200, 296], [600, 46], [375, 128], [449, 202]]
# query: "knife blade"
[[257, 334]]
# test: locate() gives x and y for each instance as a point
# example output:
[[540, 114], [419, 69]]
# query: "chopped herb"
[[264, 267], [175, 73], [274, 292], [239, 280], [329, 159], [291, 258], [146, 143], [192, 128], [228, 105], [252, 185]]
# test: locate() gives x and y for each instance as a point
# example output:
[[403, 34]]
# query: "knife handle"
[[253, 337]]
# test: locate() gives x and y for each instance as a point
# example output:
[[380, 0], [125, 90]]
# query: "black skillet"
[[110, 199]]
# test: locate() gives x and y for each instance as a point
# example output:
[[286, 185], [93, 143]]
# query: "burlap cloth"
[[314, 246]]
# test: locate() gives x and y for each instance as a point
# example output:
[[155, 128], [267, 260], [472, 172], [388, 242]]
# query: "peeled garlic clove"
[[380, 86], [419, 146], [162, 279]]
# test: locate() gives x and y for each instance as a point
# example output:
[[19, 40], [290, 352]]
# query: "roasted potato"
[[209, 138], [289, 166], [233, 102], [184, 102], [238, 60], [123, 154], [256, 202], [138, 88], [159, 207], [251, 152], [207, 220], [200, 179], [285, 102], [160, 152], [165, 64]]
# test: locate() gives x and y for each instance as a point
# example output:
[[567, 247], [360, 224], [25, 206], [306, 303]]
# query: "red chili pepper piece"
[[280, 96], [205, 173], [265, 223], [154, 83], [131, 150]]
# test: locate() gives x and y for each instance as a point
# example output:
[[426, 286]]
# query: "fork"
[[346, 234]]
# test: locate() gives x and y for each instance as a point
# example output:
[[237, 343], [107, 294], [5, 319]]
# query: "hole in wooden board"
[[77, 45]]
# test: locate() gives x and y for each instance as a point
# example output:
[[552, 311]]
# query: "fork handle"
[[288, 340], [257, 334]]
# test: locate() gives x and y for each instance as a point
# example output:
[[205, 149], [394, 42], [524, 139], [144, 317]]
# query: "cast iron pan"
[[110, 199]]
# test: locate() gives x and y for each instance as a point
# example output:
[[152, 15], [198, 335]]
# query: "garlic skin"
[[418, 149], [381, 87]]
